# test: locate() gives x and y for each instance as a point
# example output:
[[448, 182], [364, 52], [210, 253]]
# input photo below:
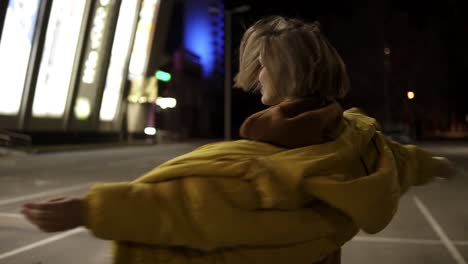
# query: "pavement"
[[9, 151], [430, 226]]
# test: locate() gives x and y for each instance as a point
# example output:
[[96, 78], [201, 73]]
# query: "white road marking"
[[10, 215], [398, 240], [373, 239], [42, 194], [42, 242], [440, 232]]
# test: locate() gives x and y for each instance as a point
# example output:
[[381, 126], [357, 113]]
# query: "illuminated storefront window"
[[59, 58], [96, 40], [95, 54], [116, 73], [143, 38], [15, 50]]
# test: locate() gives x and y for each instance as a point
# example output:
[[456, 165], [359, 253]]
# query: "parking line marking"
[[440, 232], [10, 215], [398, 240], [42, 194], [42, 242]]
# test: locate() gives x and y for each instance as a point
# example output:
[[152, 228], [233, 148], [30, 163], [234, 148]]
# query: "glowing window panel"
[[116, 75], [96, 38], [143, 37], [15, 50], [58, 59]]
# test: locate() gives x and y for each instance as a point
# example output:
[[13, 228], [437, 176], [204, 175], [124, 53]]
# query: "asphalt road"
[[431, 226]]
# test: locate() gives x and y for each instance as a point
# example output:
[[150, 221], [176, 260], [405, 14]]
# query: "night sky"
[[427, 40]]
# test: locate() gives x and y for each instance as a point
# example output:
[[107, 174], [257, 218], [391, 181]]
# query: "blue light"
[[197, 35]]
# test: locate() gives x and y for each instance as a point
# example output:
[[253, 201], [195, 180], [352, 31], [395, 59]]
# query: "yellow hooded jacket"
[[247, 201]]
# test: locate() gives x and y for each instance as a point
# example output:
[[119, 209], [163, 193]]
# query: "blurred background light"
[[150, 131], [198, 37], [166, 102], [163, 76], [387, 51], [82, 108]]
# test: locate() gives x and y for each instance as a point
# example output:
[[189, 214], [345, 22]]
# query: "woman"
[[303, 181]]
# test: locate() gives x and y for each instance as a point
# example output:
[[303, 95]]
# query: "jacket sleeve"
[[207, 214], [415, 166]]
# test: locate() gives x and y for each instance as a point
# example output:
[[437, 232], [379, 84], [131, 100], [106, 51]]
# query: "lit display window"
[[15, 50], [59, 58], [116, 75]]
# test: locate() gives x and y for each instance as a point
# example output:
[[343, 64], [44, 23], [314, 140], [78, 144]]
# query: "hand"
[[444, 168], [55, 215]]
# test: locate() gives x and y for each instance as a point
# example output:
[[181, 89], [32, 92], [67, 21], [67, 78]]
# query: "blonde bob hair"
[[300, 61]]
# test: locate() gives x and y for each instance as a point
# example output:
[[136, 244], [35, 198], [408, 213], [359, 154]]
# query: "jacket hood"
[[295, 123]]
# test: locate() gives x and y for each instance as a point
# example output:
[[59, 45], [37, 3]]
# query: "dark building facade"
[[405, 59]]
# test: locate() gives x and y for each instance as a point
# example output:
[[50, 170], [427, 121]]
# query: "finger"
[[26, 215], [50, 205], [50, 227], [36, 206], [30, 216], [32, 220], [58, 199], [43, 216], [46, 226]]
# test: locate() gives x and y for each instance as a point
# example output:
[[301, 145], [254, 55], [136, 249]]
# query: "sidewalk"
[[458, 148], [8, 151], [37, 149], [441, 147]]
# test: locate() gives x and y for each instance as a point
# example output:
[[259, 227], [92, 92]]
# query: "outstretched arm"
[[195, 212], [417, 166]]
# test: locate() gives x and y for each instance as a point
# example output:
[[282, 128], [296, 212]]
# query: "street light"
[[228, 63], [410, 95], [387, 51]]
